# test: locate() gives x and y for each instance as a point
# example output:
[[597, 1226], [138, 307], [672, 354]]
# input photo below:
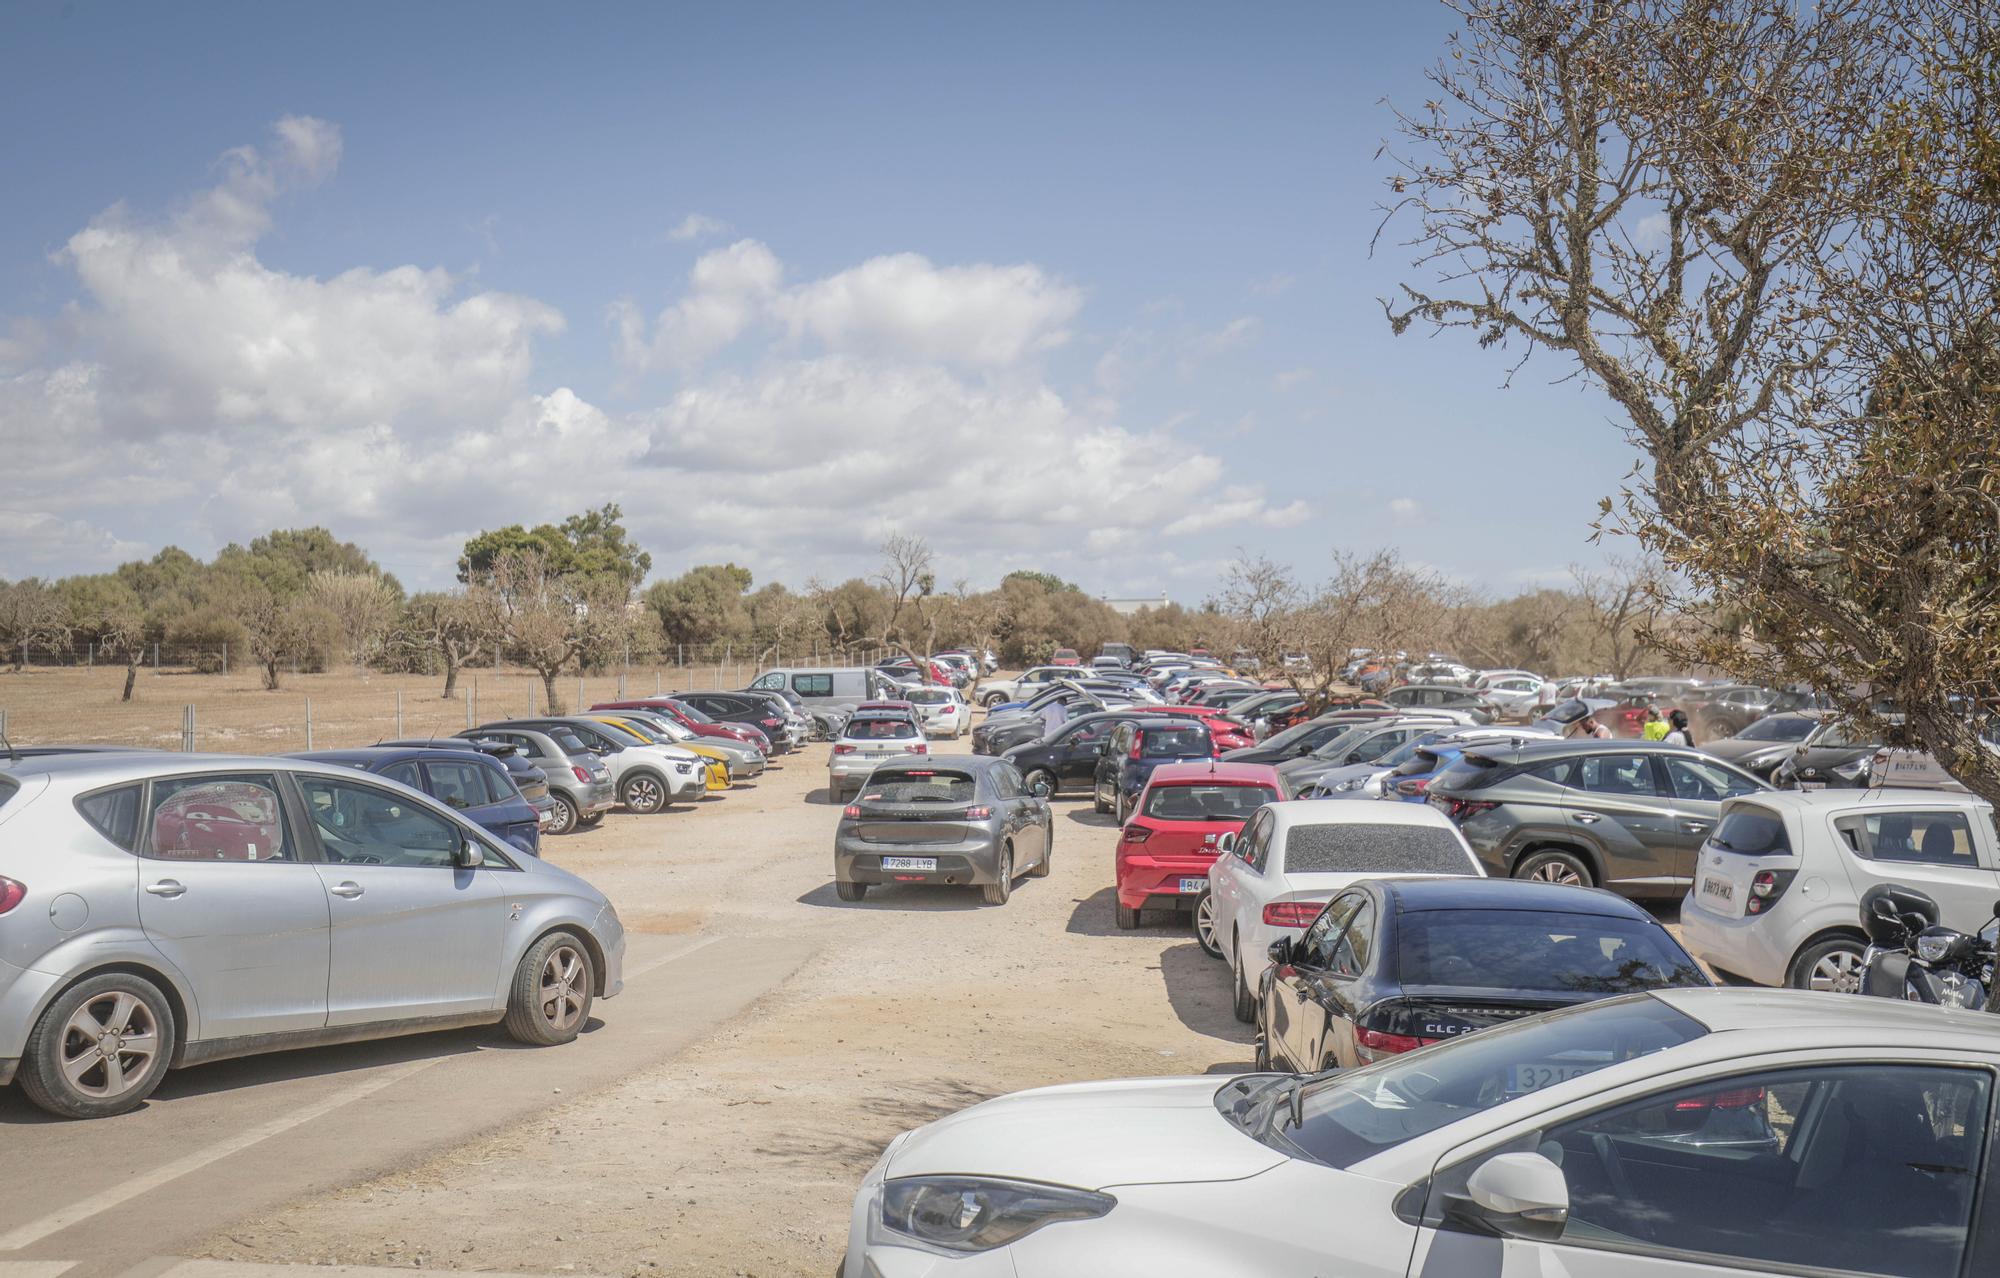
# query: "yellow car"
[[716, 772]]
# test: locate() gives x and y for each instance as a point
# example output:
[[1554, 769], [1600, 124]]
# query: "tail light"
[[851, 811], [772, 723], [843, 749], [918, 748], [581, 775], [1373, 1045], [1136, 833], [978, 814], [1462, 809], [1414, 788], [1138, 744], [12, 893], [1292, 913], [1766, 886]]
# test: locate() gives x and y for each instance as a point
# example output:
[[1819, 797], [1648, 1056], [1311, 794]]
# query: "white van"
[[826, 687]]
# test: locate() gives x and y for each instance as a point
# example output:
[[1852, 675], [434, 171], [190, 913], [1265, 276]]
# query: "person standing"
[[1590, 727], [1656, 727], [1678, 732]]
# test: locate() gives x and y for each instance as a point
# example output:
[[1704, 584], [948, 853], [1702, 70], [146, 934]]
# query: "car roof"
[[1216, 773], [940, 762], [1463, 892], [109, 768], [1781, 1011], [1844, 797], [1531, 748], [1329, 812], [375, 756]]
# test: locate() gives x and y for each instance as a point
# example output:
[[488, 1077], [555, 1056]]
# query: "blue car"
[[1412, 782], [1136, 748], [475, 784]]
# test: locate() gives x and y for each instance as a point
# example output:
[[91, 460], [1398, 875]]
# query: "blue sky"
[[1084, 288]]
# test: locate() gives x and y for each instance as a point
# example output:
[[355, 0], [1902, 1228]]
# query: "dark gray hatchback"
[[960, 820], [1627, 815]]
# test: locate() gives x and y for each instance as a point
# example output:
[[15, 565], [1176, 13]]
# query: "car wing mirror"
[[1519, 1195], [1042, 788], [468, 856], [1226, 844], [1280, 951]]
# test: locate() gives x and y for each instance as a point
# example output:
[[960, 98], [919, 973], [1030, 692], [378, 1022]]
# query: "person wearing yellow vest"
[[1656, 727]]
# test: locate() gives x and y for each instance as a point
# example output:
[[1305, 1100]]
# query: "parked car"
[[1290, 860], [798, 723], [995, 692], [944, 711], [1391, 965], [744, 760], [1122, 653], [1067, 758], [1166, 848], [171, 909], [997, 736], [914, 673], [647, 777], [713, 765], [1376, 778], [735, 707], [1301, 739], [695, 721], [473, 784], [1065, 657], [1627, 815], [1513, 694], [1423, 696], [1759, 748], [824, 687], [867, 740], [1680, 1132], [1365, 742], [1223, 729], [1778, 888], [1566, 717], [529, 781], [961, 820], [580, 785], [1837, 754], [1138, 746]]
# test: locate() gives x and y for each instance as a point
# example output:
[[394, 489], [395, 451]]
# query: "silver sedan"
[[161, 910]]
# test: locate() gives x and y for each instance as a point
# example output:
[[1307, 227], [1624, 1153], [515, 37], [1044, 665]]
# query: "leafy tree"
[[702, 605], [457, 628], [593, 544], [106, 611]]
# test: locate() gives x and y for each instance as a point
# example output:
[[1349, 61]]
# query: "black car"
[[1759, 748], [531, 781], [1067, 758], [997, 735], [1135, 749], [1836, 755], [1393, 964], [740, 707]]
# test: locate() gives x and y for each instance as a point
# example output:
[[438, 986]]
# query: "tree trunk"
[[549, 674], [131, 677], [271, 674], [450, 674]]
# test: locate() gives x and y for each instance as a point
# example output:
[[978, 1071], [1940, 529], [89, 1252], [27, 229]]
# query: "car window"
[[1368, 847], [1007, 782], [1708, 782], [919, 786], [1777, 728], [1751, 830], [1856, 1168], [1561, 772], [880, 729], [1088, 733], [1925, 837], [363, 825], [813, 685], [1177, 741], [217, 818], [1377, 746], [1534, 953], [112, 813], [458, 784], [772, 680], [1316, 947], [1121, 740], [1626, 774], [1254, 847], [1197, 802], [1350, 954], [404, 774]]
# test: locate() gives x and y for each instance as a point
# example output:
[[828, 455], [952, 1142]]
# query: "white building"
[[1126, 607]]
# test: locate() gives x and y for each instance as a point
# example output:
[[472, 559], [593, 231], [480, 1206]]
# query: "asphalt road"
[[221, 1141]]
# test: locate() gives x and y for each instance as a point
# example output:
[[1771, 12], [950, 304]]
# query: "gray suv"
[[1627, 815], [160, 910]]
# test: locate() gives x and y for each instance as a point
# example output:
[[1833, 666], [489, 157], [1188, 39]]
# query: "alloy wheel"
[[109, 1045], [1838, 972], [562, 994], [643, 794], [565, 816], [1556, 872], [1204, 923]]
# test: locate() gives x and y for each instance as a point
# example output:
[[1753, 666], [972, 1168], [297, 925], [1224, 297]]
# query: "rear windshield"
[[1752, 831], [1207, 802], [1778, 728], [881, 729], [568, 742], [1365, 848], [928, 696], [1469, 773], [1526, 951], [1176, 741], [8, 789], [919, 787]]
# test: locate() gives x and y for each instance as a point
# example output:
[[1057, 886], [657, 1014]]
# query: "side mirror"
[[1227, 844], [1520, 1195], [468, 856], [1281, 951], [1042, 787]]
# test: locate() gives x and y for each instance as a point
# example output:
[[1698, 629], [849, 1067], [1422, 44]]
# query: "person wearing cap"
[[1656, 727]]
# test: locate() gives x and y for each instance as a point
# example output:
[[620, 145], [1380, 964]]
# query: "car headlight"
[[956, 1215], [683, 768], [1852, 769], [1351, 784]]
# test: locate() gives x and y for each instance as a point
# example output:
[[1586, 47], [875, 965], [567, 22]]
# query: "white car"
[[1665, 1135], [943, 711], [1291, 858], [1037, 679], [1778, 884]]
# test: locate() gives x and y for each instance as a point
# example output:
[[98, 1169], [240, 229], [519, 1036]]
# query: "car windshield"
[[1407, 751], [1343, 743], [1372, 847], [1532, 952], [1347, 1117], [568, 742], [641, 729], [1777, 728], [1842, 736], [928, 696], [918, 787], [621, 736], [880, 729], [693, 715], [1198, 802], [1178, 742]]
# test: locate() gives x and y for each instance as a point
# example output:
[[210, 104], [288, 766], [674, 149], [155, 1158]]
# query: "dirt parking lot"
[[740, 1154]]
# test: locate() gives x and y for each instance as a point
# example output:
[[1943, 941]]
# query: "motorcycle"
[[1912, 956]]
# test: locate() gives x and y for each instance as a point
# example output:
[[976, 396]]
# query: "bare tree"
[[281, 632], [1768, 233], [553, 620], [907, 578], [1621, 609], [457, 627], [31, 614], [362, 606]]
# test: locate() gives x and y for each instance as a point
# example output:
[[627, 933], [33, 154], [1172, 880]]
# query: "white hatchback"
[[1778, 885], [1291, 859], [1684, 1132]]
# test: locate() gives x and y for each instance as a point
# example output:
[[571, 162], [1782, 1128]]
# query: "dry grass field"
[[233, 712]]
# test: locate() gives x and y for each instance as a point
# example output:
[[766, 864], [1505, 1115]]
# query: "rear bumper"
[[972, 862], [599, 798], [1154, 882], [9, 1066], [1755, 947]]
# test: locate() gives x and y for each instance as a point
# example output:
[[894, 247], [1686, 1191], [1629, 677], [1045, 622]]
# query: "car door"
[[1237, 882], [1104, 775], [1295, 1020], [1853, 1166], [1613, 801], [1937, 851], [1697, 788], [229, 895], [1333, 992], [415, 933], [1079, 749]]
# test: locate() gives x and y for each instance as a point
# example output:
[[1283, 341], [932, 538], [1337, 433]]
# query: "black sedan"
[[1393, 964], [1067, 758], [1765, 744], [740, 707], [1836, 755]]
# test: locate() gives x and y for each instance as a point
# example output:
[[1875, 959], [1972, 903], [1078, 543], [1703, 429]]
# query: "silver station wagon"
[[159, 910]]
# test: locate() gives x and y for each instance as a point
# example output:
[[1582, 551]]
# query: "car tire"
[[1124, 813], [1125, 916], [1245, 1006], [1204, 925], [850, 891], [1041, 870], [1262, 1059], [57, 1070], [590, 822], [1564, 868], [991, 699], [1034, 774], [1002, 886], [552, 991], [644, 793], [566, 817], [1097, 802], [1831, 964]]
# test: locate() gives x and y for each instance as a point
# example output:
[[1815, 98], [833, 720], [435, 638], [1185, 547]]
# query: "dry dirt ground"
[[740, 1155]]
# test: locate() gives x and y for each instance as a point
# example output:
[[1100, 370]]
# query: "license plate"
[[1533, 1078], [1193, 887], [909, 863], [1720, 889], [1812, 785]]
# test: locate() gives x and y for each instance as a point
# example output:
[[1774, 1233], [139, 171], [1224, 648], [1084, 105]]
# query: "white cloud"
[[698, 226], [1273, 285], [728, 289], [1406, 511]]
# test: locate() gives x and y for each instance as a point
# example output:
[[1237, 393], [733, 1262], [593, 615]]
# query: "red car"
[[1168, 843], [1065, 657], [694, 720], [1227, 733]]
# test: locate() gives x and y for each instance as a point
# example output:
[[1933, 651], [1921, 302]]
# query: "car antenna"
[[13, 755]]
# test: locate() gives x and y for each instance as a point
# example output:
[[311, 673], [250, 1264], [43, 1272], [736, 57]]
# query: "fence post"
[[621, 685], [399, 712], [658, 682], [187, 729], [309, 723], [531, 698], [3, 724], [468, 707], [90, 657], [225, 659], [578, 707], [156, 658]]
